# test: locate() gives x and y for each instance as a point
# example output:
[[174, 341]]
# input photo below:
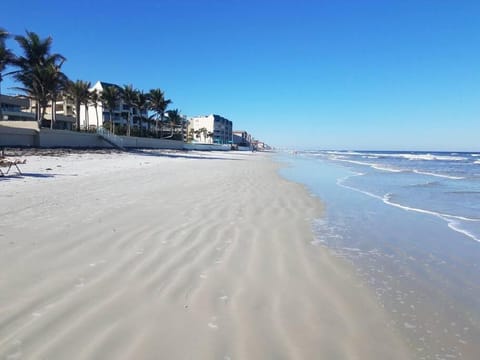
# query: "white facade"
[[96, 117], [210, 129]]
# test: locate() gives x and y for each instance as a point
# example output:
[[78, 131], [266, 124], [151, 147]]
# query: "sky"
[[325, 74]]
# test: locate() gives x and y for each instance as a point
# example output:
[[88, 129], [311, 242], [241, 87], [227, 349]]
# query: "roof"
[[106, 84], [14, 100]]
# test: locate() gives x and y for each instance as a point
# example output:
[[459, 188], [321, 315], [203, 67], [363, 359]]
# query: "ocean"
[[409, 224]]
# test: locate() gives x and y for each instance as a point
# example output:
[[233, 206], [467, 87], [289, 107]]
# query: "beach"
[[408, 223], [149, 255]]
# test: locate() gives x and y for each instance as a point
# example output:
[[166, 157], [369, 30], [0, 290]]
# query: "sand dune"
[[132, 256]]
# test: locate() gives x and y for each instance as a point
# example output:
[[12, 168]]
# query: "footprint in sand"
[[224, 298], [212, 324], [203, 276]]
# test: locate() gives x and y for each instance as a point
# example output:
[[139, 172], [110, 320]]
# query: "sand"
[[179, 256]]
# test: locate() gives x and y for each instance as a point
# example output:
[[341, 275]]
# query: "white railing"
[[110, 137]]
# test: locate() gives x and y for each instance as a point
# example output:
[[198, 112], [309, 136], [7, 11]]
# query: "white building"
[[210, 129], [99, 115]]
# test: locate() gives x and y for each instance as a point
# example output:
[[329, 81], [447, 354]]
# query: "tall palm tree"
[[33, 67], [55, 82], [6, 58], [94, 100], [142, 103], [128, 95], [79, 91], [174, 120], [159, 105], [110, 97]]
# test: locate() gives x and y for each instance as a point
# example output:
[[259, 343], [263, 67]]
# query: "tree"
[[109, 97], [55, 82], [174, 120], [128, 96], [6, 58], [36, 69], [158, 104], [141, 102], [80, 93], [94, 99]]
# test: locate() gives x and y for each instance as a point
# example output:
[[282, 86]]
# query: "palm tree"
[[55, 82], [79, 91], [6, 58], [94, 100], [109, 97], [128, 96], [34, 66], [158, 104], [141, 102], [174, 119]]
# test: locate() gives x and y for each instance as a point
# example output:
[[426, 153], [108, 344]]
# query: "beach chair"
[[6, 163]]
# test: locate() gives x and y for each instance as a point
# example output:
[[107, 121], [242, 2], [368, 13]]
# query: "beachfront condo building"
[[99, 116], [242, 138], [16, 108], [210, 129]]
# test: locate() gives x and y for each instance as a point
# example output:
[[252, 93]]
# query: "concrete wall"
[[149, 143], [64, 138], [47, 138], [207, 147], [18, 133]]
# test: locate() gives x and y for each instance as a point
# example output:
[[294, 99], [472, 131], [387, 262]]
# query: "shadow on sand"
[[24, 175], [182, 155]]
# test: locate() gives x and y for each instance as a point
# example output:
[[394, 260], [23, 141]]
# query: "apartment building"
[[210, 129], [99, 115], [15, 108], [242, 138]]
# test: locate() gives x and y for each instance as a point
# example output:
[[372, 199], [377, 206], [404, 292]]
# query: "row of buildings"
[[210, 129]]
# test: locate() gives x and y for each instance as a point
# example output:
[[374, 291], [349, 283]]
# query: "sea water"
[[409, 223]]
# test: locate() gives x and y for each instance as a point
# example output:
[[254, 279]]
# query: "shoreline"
[[203, 255]]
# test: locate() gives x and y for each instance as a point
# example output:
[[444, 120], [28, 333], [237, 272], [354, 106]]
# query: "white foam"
[[438, 175], [452, 220], [426, 157]]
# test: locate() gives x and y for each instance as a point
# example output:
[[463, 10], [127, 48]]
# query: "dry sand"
[[135, 256]]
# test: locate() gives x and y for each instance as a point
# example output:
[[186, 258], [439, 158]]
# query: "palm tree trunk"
[[128, 123], [77, 114], [54, 111], [113, 122], [1, 112], [96, 113], [87, 120]]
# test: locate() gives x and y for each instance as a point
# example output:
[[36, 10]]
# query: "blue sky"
[[337, 74]]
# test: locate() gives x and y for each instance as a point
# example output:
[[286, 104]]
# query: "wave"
[[426, 184], [472, 192], [477, 162], [452, 220], [439, 175], [397, 170], [407, 156], [372, 165]]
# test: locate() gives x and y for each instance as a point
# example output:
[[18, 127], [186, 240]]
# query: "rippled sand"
[[175, 256]]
